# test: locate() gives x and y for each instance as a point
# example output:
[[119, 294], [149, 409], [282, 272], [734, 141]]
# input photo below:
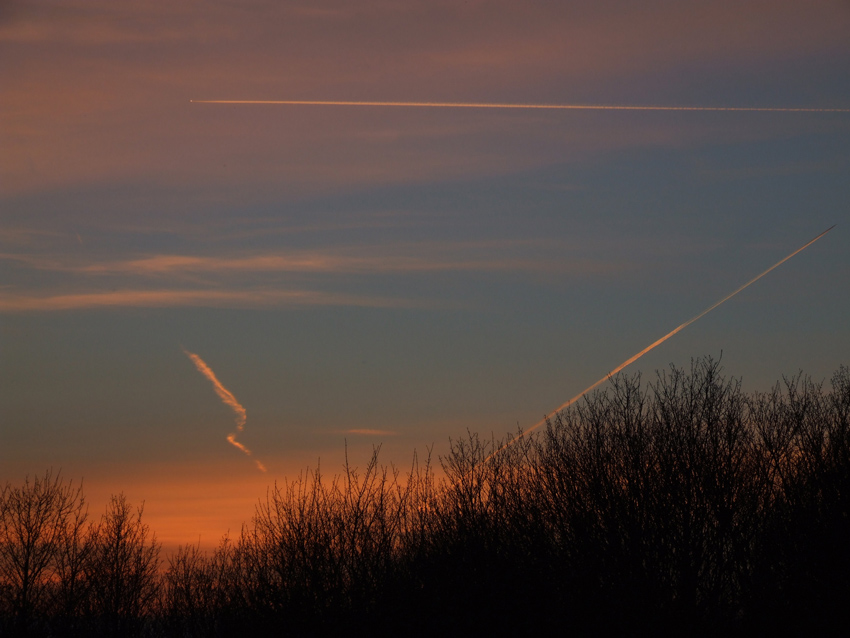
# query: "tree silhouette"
[[122, 570], [35, 520], [679, 505]]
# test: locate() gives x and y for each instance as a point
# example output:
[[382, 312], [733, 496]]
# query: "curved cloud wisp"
[[229, 400]]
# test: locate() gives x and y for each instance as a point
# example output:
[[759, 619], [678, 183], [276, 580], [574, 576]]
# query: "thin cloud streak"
[[310, 262], [550, 107], [369, 432], [196, 298], [229, 400], [476, 256]]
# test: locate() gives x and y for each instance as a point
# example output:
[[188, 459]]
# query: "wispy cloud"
[[22, 236], [174, 280], [368, 432], [12, 302], [309, 262], [480, 256], [38, 262]]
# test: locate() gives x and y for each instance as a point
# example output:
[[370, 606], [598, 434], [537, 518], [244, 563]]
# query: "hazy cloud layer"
[[99, 91]]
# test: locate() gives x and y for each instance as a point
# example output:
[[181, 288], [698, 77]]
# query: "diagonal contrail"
[[503, 105], [655, 344], [229, 400]]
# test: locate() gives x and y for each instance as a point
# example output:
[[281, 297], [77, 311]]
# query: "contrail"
[[503, 105], [655, 344], [228, 399]]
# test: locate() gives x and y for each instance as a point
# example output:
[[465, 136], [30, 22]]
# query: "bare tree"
[[122, 570], [659, 509], [70, 589], [34, 521]]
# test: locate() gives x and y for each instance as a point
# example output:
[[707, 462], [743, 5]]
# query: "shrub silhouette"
[[679, 505]]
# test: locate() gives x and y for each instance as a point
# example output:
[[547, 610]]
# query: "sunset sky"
[[394, 275]]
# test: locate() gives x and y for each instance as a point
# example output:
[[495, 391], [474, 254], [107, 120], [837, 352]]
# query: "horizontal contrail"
[[504, 105], [657, 343], [229, 400]]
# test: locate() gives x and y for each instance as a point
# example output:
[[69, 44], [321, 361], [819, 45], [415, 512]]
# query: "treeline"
[[679, 506]]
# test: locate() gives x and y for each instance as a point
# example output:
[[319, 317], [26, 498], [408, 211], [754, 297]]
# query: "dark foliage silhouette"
[[681, 505]]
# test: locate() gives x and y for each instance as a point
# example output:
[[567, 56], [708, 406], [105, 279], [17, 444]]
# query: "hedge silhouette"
[[681, 505]]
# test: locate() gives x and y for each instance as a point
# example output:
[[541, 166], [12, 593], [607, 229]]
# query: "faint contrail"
[[228, 399], [502, 105], [654, 344]]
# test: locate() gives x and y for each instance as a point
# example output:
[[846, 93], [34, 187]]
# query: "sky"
[[356, 276]]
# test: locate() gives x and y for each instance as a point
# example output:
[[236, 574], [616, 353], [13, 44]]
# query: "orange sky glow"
[[390, 223]]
